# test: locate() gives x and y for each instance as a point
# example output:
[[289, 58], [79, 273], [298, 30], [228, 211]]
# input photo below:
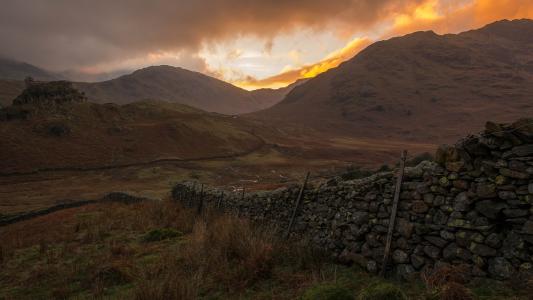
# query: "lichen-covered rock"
[[500, 267], [490, 208], [400, 257]]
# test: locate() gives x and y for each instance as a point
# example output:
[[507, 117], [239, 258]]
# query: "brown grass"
[[447, 282], [100, 247]]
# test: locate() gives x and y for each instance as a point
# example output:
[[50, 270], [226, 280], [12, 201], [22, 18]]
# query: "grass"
[[160, 234], [158, 250]]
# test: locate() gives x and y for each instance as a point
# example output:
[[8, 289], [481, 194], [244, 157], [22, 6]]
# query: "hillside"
[[88, 135], [421, 86], [182, 86], [267, 97], [9, 90], [15, 70]]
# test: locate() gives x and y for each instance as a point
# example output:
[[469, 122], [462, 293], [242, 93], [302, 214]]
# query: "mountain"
[[268, 97], [74, 75], [15, 70], [165, 83], [179, 86], [421, 86]]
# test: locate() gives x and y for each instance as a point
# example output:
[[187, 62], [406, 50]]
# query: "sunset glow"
[[252, 45], [438, 15]]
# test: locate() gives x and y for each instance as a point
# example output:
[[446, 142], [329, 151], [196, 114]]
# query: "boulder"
[[486, 190], [437, 241], [417, 261], [432, 251], [462, 202], [404, 227], [491, 209], [372, 266], [450, 252], [405, 272], [399, 257], [513, 174], [501, 268], [506, 195], [525, 150], [482, 250], [528, 227], [494, 240], [419, 207], [446, 153]]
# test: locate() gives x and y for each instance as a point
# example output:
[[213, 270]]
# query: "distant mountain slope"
[[268, 97], [421, 86], [179, 86], [15, 70], [89, 135]]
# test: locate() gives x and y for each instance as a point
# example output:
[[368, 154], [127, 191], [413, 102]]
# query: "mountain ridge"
[[11, 69], [421, 86]]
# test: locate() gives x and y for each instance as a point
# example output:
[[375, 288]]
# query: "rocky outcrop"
[[49, 93], [472, 206]]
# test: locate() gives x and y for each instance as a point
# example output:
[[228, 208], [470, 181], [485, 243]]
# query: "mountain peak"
[[517, 30], [408, 87], [16, 70]]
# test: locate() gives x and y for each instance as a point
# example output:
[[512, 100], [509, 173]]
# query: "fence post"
[[298, 200], [393, 212], [201, 202], [240, 204], [219, 204], [192, 194]]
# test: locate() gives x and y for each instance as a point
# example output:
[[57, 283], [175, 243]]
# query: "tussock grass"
[[99, 251]]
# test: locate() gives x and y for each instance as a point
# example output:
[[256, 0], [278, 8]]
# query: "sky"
[[249, 43]]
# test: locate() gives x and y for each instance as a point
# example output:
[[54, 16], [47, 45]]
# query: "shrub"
[[382, 291], [113, 274], [160, 234], [355, 172], [384, 168], [447, 282], [413, 162], [328, 292], [455, 291], [58, 129]]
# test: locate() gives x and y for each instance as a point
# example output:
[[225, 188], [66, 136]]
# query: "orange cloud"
[[486, 11], [332, 60], [441, 16], [456, 16]]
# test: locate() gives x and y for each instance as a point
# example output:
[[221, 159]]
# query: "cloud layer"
[[98, 35], [63, 34]]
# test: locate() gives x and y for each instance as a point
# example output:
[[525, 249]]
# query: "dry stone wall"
[[470, 207]]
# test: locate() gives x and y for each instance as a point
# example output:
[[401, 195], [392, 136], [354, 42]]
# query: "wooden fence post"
[[393, 212], [240, 204], [192, 194], [298, 200], [219, 204], [201, 202]]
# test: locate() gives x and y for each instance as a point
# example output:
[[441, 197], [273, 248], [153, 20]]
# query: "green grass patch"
[[328, 292], [161, 234], [382, 291]]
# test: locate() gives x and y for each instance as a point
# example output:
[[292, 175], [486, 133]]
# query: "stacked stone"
[[471, 207]]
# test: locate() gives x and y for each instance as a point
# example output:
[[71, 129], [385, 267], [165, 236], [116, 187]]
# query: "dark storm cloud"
[[62, 34]]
